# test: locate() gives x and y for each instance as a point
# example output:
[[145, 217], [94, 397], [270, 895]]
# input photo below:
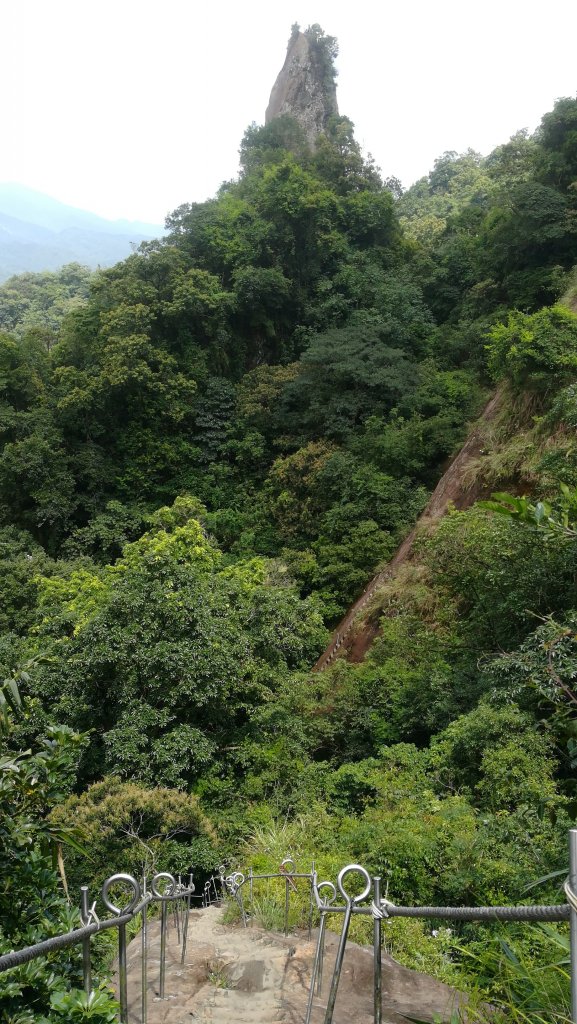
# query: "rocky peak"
[[305, 87]]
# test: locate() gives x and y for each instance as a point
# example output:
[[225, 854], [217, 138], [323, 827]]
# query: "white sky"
[[130, 107]]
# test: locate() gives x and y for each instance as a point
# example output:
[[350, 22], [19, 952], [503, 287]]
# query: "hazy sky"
[[129, 107]]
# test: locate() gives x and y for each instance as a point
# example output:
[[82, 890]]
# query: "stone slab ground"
[[233, 975]]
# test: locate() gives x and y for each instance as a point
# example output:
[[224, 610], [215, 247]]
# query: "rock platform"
[[235, 975]]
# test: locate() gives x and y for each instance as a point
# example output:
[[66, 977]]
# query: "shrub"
[[127, 827]]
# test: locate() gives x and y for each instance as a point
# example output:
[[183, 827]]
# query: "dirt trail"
[[234, 975], [355, 642]]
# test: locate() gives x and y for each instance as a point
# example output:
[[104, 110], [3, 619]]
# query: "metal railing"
[[370, 902], [233, 885], [379, 909], [164, 889], [167, 889]]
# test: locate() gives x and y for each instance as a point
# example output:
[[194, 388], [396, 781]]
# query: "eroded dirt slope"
[[355, 633]]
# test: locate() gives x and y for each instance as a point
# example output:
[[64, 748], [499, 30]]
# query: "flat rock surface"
[[233, 975]]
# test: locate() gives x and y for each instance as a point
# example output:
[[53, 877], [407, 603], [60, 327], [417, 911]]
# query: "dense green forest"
[[206, 452]]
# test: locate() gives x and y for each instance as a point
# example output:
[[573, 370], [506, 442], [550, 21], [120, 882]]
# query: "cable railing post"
[[144, 955], [311, 900], [287, 868], [163, 924], [324, 903], [286, 905], [242, 910], [122, 974], [122, 879], [322, 927], [573, 920], [171, 889], [177, 912], [378, 963], [315, 970], [351, 901], [338, 965], [185, 923], [85, 917]]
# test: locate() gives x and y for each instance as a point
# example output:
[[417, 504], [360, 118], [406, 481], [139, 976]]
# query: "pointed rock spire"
[[305, 88]]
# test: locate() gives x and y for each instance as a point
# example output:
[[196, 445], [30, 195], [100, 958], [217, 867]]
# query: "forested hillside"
[[207, 451]]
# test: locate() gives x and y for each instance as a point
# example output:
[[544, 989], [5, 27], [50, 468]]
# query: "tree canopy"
[[207, 451]]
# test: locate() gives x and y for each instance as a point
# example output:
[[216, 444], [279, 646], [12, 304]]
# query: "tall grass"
[[522, 977]]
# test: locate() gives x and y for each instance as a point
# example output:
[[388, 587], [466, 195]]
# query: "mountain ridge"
[[40, 233]]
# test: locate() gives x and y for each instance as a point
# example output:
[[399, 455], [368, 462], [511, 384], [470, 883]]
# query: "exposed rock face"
[[250, 976], [303, 89]]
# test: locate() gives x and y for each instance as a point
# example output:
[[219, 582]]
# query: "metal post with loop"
[[377, 950], [163, 876], [122, 879], [144, 954], [311, 900], [186, 917], [324, 904], [222, 881], [85, 917], [288, 868], [234, 885], [163, 928], [177, 910], [351, 902]]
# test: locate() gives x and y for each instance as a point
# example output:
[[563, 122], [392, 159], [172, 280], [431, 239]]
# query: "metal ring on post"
[[326, 901], [350, 868], [233, 882], [86, 966], [122, 879], [351, 902], [285, 866], [171, 889]]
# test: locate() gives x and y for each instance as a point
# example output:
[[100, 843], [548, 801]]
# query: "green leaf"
[[562, 873]]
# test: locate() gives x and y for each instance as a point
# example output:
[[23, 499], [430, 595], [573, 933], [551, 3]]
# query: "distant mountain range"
[[40, 233]]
